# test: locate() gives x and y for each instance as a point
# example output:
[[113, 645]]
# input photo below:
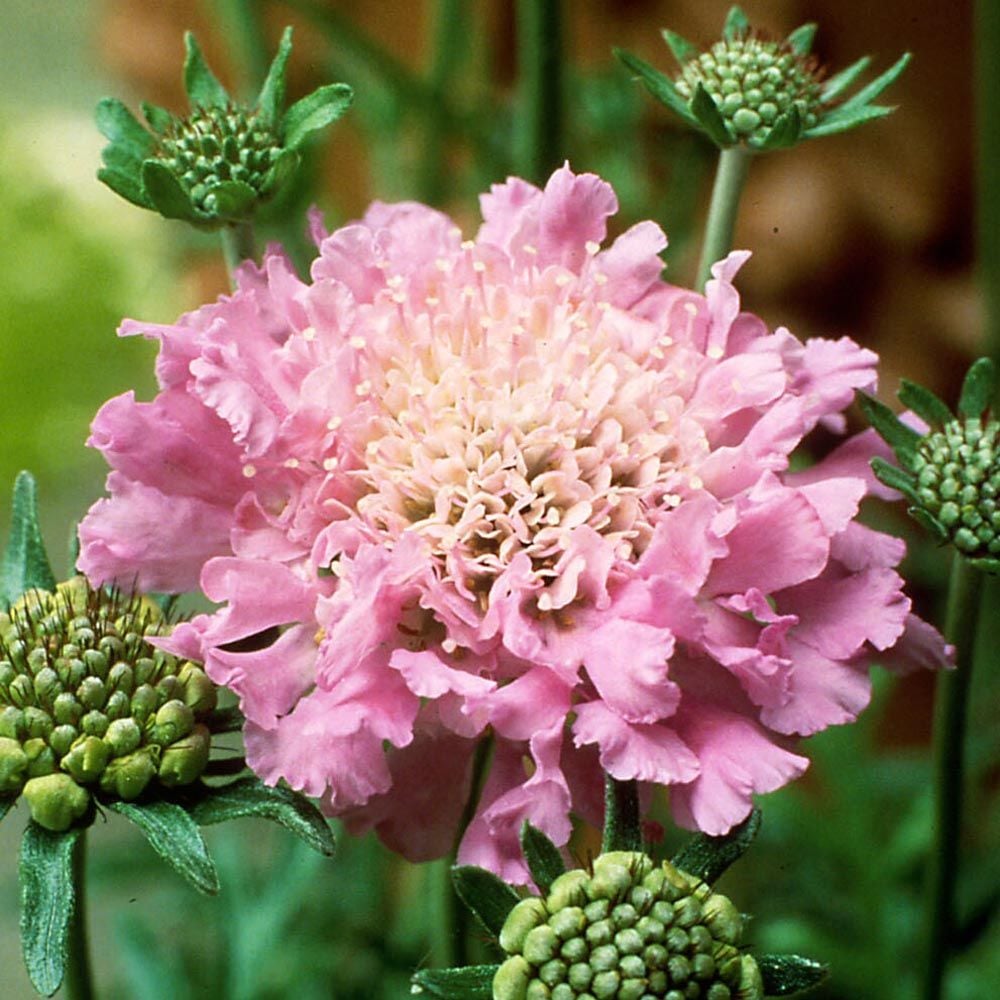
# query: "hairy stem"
[[622, 829], [78, 984]]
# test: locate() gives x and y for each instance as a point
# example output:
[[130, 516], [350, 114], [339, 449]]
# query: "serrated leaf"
[[474, 982], [801, 39], [895, 478], [124, 185], [929, 523], [839, 82], [706, 111], [159, 118], [903, 440], [659, 85], [682, 49], [486, 895], [233, 200], [544, 860], [837, 122], [271, 98], [25, 563], [868, 93], [924, 403], [6, 804], [785, 132], [47, 903], [787, 974], [202, 86], [250, 797], [708, 857], [315, 111], [117, 124], [978, 388], [736, 24], [175, 836], [166, 194]]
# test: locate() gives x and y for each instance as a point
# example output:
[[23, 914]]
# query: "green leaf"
[[903, 440], [271, 99], [785, 132], [6, 804], [868, 93], [924, 403], [986, 565], [474, 982], [736, 24], [315, 111], [708, 857], [233, 200], [25, 563], [837, 121], [786, 974], [682, 49], [285, 164], [659, 85], [929, 523], [117, 124], [174, 835], [166, 194], [978, 388], [544, 860], [250, 797], [838, 83], [488, 897], [159, 118], [48, 899], [226, 720], [203, 89], [801, 39], [895, 478], [710, 118], [124, 185]]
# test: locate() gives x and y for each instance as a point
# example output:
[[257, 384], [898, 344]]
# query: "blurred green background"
[[868, 234]]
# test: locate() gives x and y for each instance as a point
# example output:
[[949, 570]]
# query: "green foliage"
[[25, 562], [488, 897], [708, 857]]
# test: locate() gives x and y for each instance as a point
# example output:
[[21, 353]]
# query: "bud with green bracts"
[[216, 165], [631, 930], [88, 705]]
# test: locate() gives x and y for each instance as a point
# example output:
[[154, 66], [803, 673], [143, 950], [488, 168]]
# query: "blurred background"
[[870, 234]]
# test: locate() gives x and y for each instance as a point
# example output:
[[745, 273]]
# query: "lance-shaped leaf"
[[682, 49], [869, 92], [841, 121], [978, 388], [736, 24], [25, 563], [708, 857], [986, 565], [659, 85], [315, 111], [271, 99], [895, 478], [175, 836], [787, 974], [544, 860], [474, 982], [231, 199], [250, 797], [786, 131], [202, 86], [801, 39], [118, 125], [159, 118], [903, 440], [47, 903], [841, 81], [929, 523], [166, 194], [924, 403], [710, 119], [487, 896]]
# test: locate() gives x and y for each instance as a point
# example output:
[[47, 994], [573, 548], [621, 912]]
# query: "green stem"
[[987, 35], [78, 984], [539, 138], [731, 175], [950, 710], [237, 246], [622, 829]]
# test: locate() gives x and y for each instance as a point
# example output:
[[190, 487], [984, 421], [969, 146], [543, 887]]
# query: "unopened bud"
[[13, 765], [185, 760], [56, 801]]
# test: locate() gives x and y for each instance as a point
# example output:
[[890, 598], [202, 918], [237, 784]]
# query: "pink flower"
[[516, 484]]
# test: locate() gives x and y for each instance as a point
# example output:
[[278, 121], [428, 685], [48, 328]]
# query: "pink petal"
[[573, 212]]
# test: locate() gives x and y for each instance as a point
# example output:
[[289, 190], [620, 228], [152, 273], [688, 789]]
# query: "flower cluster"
[[516, 484], [87, 703], [629, 929]]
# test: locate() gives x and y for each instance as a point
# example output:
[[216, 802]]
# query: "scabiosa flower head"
[[515, 483]]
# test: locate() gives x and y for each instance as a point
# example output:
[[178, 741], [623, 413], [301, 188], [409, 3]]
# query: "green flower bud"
[[12, 723], [123, 736], [62, 738], [41, 760], [198, 691], [645, 931], [184, 761], [127, 777], [56, 801], [13, 765], [86, 759], [172, 721]]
